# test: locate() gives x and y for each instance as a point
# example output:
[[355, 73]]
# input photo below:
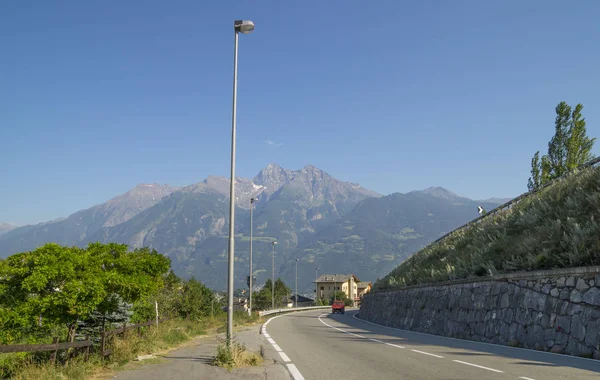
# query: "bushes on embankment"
[[557, 227]]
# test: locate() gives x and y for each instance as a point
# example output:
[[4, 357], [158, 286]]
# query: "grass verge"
[[236, 357], [23, 366]]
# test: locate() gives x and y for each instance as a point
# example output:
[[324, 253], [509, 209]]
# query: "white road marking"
[[358, 335], [291, 367], [526, 378], [471, 341], [295, 373], [427, 353], [395, 345], [284, 356], [478, 366]]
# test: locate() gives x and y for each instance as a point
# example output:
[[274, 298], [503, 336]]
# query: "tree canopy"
[[56, 285], [569, 148], [261, 300]]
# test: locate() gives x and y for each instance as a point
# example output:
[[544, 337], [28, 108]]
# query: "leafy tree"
[[169, 300], [261, 300], [52, 284], [196, 300], [339, 295], [55, 285], [569, 148]]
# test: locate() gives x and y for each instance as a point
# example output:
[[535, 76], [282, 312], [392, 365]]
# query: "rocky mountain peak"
[[273, 177], [440, 192]]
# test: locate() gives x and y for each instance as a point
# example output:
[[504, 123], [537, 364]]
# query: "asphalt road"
[[319, 345]]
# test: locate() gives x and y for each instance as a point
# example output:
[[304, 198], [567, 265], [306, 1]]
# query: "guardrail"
[[290, 309]]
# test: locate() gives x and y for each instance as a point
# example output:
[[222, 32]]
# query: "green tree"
[[50, 285], [55, 285], [261, 300], [569, 148], [196, 300], [339, 295]]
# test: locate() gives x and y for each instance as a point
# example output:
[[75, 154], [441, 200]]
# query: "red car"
[[338, 307]]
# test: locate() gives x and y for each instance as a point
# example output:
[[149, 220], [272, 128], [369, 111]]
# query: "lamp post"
[[252, 200], [273, 277], [244, 27], [334, 289], [316, 284], [297, 282]]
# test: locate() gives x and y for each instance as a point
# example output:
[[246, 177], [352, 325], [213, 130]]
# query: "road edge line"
[[474, 341]]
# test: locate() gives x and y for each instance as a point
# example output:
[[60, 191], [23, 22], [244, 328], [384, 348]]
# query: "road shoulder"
[[193, 361]]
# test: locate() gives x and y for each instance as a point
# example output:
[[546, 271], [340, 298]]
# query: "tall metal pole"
[[232, 198], [316, 284], [296, 282], [273, 279], [334, 288], [252, 200]]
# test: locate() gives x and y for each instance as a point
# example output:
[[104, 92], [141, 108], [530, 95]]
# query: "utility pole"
[[297, 282], [252, 200], [273, 277]]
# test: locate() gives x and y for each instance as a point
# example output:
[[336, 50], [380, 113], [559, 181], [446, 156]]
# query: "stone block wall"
[[556, 311]]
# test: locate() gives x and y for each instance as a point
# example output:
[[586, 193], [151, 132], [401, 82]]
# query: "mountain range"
[[329, 225], [5, 227]]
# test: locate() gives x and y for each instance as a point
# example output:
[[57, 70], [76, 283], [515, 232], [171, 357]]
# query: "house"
[[302, 301], [327, 284], [363, 287]]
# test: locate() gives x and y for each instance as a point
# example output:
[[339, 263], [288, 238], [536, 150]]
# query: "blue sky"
[[97, 97]]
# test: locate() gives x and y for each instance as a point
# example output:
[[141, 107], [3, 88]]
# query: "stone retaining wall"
[[556, 311]]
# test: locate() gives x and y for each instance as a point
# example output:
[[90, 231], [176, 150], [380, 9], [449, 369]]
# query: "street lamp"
[[297, 282], [252, 201], [273, 277], [316, 284], [244, 27]]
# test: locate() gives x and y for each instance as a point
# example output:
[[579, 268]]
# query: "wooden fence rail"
[[87, 343], [54, 346]]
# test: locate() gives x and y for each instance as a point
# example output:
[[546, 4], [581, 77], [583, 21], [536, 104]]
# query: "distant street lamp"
[[273, 277], [244, 27], [252, 201], [297, 282], [316, 284]]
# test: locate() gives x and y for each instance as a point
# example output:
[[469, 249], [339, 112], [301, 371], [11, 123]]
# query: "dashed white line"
[[291, 367], [526, 378], [427, 353], [478, 366], [394, 345], [295, 373], [357, 335], [284, 356]]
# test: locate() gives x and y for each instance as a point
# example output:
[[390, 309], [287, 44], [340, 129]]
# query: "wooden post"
[[87, 349], [156, 309], [53, 355], [102, 343]]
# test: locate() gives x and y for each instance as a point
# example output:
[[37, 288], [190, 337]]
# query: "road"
[[319, 345]]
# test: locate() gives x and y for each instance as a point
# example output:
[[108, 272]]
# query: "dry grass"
[[125, 348], [237, 356], [557, 227]]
